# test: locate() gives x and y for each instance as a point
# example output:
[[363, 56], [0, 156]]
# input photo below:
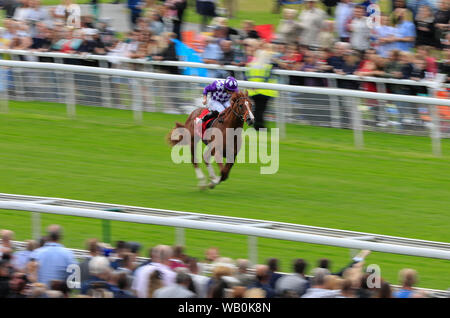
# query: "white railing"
[[248, 227], [115, 60], [71, 81]]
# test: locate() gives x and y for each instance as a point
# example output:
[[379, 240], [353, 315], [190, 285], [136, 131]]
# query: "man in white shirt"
[[160, 261], [343, 14], [360, 31], [310, 22]]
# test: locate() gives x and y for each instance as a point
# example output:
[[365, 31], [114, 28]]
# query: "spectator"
[[211, 255], [292, 59], [207, 9], [384, 37], [346, 290], [228, 57], [178, 257], [288, 28], [442, 21], [408, 278], [425, 29], [94, 250], [310, 64], [21, 258], [212, 54], [318, 289], [242, 274], [273, 264], [310, 23], [414, 6], [99, 274], [135, 7], [160, 261], [18, 286], [156, 24], [155, 283], [228, 32], [431, 63], [122, 289], [359, 30], [5, 276], [248, 30], [178, 290], [444, 66], [6, 244], [176, 11], [384, 291], [10, 7], [21, 12], [335, 61], [405, 31], [200, 281], [53, 258], [67, 13], [262, 280], [260, 70], [326, 38], [296, 283], [343, 16]]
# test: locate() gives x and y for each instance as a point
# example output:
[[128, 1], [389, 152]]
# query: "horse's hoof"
[[213, 182], [202, 185]]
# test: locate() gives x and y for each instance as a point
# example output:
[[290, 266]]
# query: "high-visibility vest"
[[257, 73]]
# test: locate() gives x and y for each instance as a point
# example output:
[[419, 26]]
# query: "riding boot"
[[211, 114]]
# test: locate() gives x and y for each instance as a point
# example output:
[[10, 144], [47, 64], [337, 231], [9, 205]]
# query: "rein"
[[241, 117]]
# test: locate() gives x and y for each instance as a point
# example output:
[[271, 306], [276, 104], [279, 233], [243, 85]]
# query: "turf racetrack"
[[393, 187]]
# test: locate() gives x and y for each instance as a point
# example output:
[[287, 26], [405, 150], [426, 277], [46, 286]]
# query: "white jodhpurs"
[[218, 106]]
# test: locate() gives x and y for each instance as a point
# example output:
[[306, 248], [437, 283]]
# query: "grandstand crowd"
[[41, 271], [411, 42]]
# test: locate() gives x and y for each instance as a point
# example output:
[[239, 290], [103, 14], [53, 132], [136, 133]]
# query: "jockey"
[[221, 91]]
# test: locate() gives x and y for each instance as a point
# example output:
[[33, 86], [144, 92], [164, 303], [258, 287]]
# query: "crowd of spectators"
[[41, 271], [351, 41]]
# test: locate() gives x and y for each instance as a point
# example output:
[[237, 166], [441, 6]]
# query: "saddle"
[[205, 125]]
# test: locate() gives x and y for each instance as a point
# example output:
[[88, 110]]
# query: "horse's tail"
[[176, 141]]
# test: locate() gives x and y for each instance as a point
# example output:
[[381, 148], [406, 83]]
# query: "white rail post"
[[106, 87], [180, 236], [435, 131], [381, 88], [356, 123], [281, 111], [70, 94], [4, 93], [334, 103], [137, 100], [253, 249], [36, 225]]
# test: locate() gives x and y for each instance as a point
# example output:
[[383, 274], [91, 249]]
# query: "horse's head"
[[241, 106]]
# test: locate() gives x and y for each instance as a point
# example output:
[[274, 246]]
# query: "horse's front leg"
[[198, 172]]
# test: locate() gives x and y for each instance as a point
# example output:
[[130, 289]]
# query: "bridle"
[[241, 117]]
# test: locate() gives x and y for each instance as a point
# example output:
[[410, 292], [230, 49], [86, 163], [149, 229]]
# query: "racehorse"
[[232, 117]]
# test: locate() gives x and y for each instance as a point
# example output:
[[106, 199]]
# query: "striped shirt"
[[218, 92]]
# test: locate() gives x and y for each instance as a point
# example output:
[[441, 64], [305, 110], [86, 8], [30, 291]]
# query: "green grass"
[[394, 186]]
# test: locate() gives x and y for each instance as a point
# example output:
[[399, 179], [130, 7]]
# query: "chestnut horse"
[[232, 117]]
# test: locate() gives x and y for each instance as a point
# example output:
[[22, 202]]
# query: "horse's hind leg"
[[198, 172], [226, 171]]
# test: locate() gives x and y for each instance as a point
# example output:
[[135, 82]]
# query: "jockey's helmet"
[[231, 84]]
